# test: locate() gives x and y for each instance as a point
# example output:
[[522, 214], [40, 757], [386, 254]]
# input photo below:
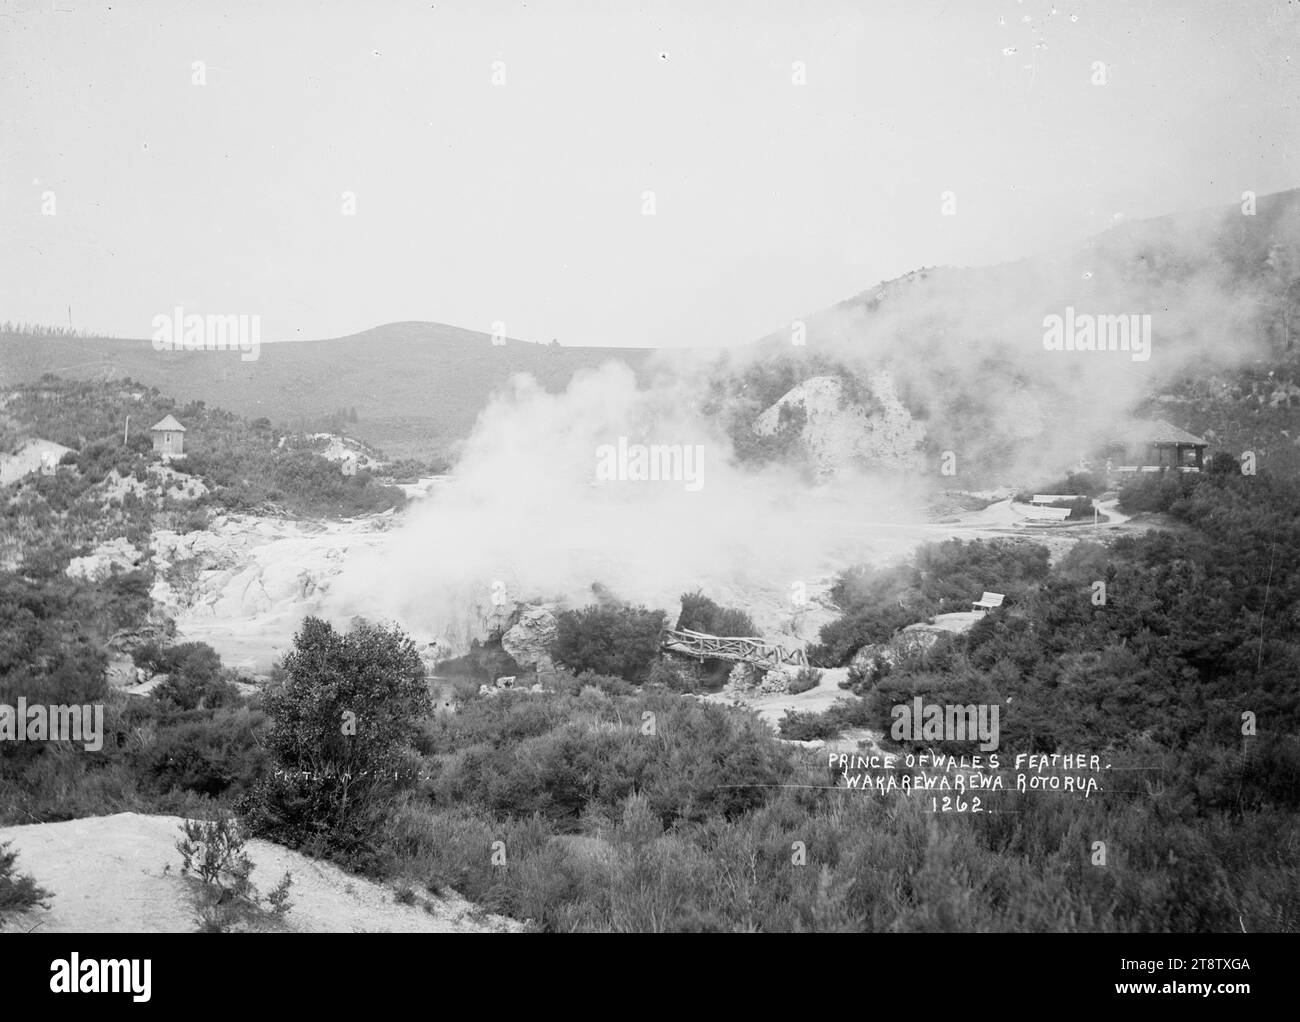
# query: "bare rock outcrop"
[[115, 555], [775, 682], [869, 661], [841, 428], [529, 640]]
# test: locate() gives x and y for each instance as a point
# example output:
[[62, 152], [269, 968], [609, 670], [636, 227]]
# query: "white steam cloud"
[[524, 509]]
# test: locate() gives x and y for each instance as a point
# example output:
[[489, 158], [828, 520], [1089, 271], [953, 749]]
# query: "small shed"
[[1158, 446], [168, 437]]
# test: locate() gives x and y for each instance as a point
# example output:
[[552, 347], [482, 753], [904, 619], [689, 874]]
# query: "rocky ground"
[[29, 458], [244, 584]]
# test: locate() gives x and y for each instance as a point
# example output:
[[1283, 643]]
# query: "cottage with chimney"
[[168, 438]]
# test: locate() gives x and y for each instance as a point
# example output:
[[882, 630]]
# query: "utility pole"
[[126, 433]]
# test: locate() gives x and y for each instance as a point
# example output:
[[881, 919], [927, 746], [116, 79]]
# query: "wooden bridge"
[[717, 647]]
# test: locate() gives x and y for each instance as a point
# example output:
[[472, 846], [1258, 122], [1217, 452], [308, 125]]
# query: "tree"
[[617, 640], [701, 614], [342, 727]]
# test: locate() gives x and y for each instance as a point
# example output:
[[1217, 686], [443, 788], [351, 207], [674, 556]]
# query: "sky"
[[498, 155]]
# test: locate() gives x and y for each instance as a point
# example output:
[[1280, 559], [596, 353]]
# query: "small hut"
[[1157, 447], [168, 437]]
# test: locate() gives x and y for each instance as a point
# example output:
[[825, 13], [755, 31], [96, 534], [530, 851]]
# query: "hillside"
[[965, 348], [416, 387]]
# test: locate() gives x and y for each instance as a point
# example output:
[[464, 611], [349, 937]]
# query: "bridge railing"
[[735, 648]]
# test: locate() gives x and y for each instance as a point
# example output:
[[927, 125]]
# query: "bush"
[[1222, 463], [214, 851], [610, 685], [700, 614], [1154, 492], [485, 662], [18, 892], [843, 714], [618, 640], [569, 757], [679, 675], [209, 754], [805, 679], [195, 676], [195, 520], [343, 725]]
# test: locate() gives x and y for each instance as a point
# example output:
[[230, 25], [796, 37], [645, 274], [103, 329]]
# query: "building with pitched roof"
[[1155, 446], [168, 437]]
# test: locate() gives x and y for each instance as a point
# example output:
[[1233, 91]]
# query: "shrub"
[[613, 686], [619, 640], [195, 520], [195, 676], [700, 614], [342, 729], [572, 756], [1222, 463], [1154, 492], [18, 891], [843, 714], [671, 673], [404, 895], [211, 754], [214, 851], [485, 662]]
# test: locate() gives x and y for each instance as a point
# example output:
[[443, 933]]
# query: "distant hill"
[[964, 347], [416, 387]]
